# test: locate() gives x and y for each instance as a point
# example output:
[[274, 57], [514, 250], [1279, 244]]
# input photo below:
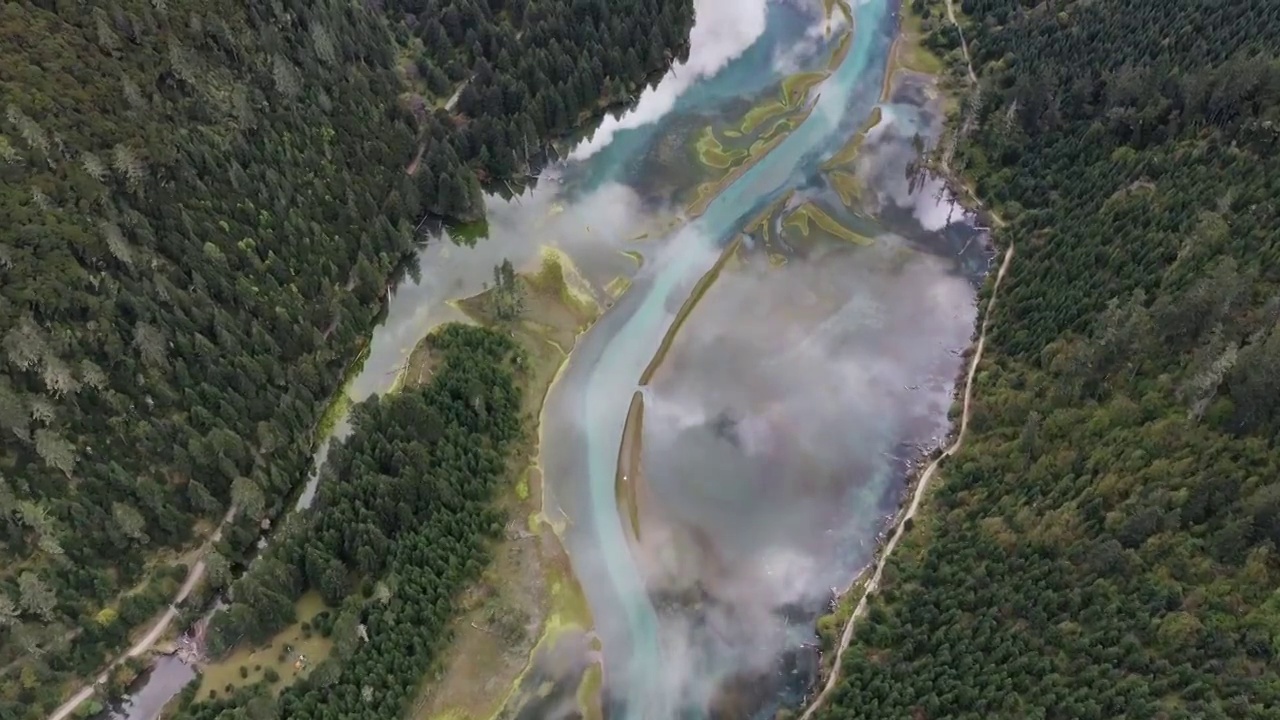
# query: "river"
[[782, 417], [776, 435]]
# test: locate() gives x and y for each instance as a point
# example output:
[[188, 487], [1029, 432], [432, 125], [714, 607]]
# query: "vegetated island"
[[404, 522], [485, 670]]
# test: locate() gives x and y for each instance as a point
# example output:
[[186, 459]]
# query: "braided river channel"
[[783, 304]]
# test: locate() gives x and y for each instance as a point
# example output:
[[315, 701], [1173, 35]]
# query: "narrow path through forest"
[[197, 571], [158, 629], [964, 46], [916, 498]]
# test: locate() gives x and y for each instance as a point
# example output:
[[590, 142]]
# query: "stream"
[[783, 414]]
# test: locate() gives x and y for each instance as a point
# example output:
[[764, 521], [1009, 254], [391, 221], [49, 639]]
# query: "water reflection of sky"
[[776, 433], [774, 430], [731, 56], [825, 370], [165, 679], [590, 207]]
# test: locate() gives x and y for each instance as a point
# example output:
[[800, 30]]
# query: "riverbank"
[[703, 285], [159, 627], [904, 520], [908, 54], [621, 93], [528, 598]]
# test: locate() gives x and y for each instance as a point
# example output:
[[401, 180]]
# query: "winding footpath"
[[964, 46], [916, 497], [194, 576]]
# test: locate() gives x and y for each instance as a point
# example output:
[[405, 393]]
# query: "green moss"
[[760, 114], [588, 695], [849, 152], [522, 486], [618, 286], [795, 88], [560, 278], [847, 186], [712, 153], [842, 50], [810, 214]]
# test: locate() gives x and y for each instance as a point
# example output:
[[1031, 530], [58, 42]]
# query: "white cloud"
[[792, 58], [725, 29]]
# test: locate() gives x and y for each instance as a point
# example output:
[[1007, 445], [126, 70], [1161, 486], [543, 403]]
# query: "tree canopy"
[[1104, 545], [201, 206], [400, 525]]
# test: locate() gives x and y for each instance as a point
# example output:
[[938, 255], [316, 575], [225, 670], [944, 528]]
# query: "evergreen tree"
[[1103, 545]]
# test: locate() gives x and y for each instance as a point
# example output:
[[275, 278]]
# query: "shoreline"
[[918, 485], [334, 410], [917, 480], [539, 576], [628, 475], [590, 683], [686, 308], [544, 502]]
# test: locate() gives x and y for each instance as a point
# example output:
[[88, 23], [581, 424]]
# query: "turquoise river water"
[[794, 397]]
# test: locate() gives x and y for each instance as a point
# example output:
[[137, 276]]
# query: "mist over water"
[[772, 438], [779, 428]]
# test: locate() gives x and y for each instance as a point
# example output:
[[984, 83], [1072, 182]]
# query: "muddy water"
[[165, 679]]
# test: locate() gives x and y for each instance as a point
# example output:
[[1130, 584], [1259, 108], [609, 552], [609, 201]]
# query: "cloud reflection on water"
[[725, 29], [795, 57], [812, 361], [822, 388]]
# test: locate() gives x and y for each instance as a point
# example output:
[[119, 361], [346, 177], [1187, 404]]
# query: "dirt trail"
[[916, 498], [197, 571], [144, 644], [964, 46]]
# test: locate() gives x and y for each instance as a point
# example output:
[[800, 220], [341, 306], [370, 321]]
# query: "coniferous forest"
[[399, 528], [1105, 544], [200, 207]]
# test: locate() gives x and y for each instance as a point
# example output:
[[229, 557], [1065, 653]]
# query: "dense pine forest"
[[1105, 545], [400, 526], [201, 206]]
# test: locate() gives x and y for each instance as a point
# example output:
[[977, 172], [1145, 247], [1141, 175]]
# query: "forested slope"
[[529, 70], [200, 205], [1104, 545], [399, 528]]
